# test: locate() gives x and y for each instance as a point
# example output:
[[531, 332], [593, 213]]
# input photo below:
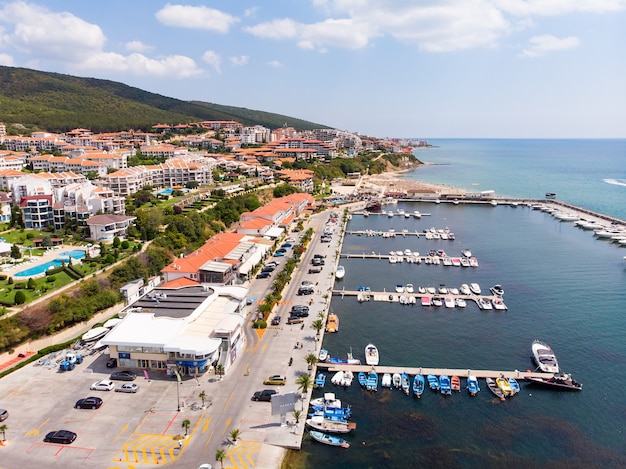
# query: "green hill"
[[58, 103]]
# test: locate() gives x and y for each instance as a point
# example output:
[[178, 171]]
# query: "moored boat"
[[418, 385], [460, 302], [362, 378], [455, 383], [497, 290], [514, 385], [337, 378], [484, 303], [433, 382], [465, 289], [328, 400], [559, 381], [406, 383], [323, 355], [449, 302], [444, 385], [504, 386], [340, 272], [475, 288], [329, 439], [493, 387], [320, 380], [396, 380], [385, 382], [332, 325], [472, 385], [372, 381], [371, 355], [544, 357]]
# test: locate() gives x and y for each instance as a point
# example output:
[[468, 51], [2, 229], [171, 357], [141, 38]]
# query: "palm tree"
[[303, 382], [202, 396], [297, 414], [220, 454], [234, 435], [321, 314], [311, 359], [318, 325], [3, 429], [185, 424], [219, 369]]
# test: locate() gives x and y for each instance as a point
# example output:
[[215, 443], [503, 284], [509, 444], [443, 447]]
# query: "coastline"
[[392, 181]]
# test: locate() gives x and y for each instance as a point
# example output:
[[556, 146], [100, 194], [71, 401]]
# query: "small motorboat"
[[444, 385], [544, 357], [426, 301], [386, 381], [329, 439], [94, 334], [484, 304], [455, 383], [460, 302], [466, 253], [449, 301], [397, 380], [406, 383], [418, 385], [437, 301], [323, 355], [320, 380], [504, 385], [475, 288], [409, 288], [362, 378], [399, 288], [340, 272], [498, 304], [372, 381], [494, 388], [559, 381], [514, 385], [497, 290], [348, 377], [472, 385], [465, 289], [433, 382], [328, 400], [337, 378], [371, 355], [331, 413], [332, 324]]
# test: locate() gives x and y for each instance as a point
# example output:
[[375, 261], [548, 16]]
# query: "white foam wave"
[[615, 182]]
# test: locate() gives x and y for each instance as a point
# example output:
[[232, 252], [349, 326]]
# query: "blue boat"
[[514, 385], [329, 439], [472, 385], [406, 383], [320, 380], [433, 382], [332, 413], [372, 381], [418, 385], [444, 384]]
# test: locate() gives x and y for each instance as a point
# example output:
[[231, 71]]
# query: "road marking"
[[206, 424], [35, 432], [207, 441], [230, 398], [124, 428]]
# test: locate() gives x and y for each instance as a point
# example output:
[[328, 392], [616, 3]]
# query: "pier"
[[461, 373]]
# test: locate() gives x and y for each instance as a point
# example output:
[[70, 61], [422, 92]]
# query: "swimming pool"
[[41, 268]]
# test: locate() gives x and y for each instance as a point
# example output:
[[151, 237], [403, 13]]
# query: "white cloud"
[[558, 7], [176, 66], [48, 35], [275, 64], [137, 46], [250, 12], [7, 60], [213, 59], [185, 16], [239, 61], [542, 45], [276, 29]]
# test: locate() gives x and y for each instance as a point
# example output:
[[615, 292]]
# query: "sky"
[[388, 68]]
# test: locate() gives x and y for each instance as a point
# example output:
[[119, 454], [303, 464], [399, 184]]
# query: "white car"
[[104, 385], [127, 387]]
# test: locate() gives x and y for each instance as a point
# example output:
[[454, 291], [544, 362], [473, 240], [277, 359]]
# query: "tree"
[[116, 242], [185, 424], [15, 251], [202, 396], [303, 382], [311, 359], [3, 429], [234, 435], [219, 369], [20, 297], [31, 284], [220, 455]]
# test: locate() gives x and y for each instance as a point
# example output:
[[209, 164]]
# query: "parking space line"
[[36, 431]]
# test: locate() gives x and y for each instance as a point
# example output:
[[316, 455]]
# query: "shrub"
[[125, 245], [20, 286], [51, 279], [20, 297], [3, 277], [259, 325]]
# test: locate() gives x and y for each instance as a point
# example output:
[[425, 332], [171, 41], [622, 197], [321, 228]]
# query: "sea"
[[562, 286]]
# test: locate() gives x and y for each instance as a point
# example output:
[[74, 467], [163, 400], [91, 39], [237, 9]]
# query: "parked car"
[[326, 239], [275, 320], [279, 254], [276, 380], [263, 275], [4, 414], [104, 385], [318, 256], [317, 261], [127, 387], [272, 264], [285, 245], [290, 239], [123, 376], [268, 268], [305, 291], [307, 283], [88, 403], [299, 314], [300, 308], [60, 436], [315, 270], [294, 320], [265, 395], [112, 363]]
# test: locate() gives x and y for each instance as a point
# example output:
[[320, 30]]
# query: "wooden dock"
[[394, 297], [461, 373]]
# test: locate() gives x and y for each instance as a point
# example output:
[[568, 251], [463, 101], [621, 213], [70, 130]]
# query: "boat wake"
[[615, 182]]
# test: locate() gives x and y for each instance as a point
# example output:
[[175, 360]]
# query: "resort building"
[[181, 327], [105, 228]]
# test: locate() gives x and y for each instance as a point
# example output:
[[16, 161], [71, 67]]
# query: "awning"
[[253, 260], [274, 232]]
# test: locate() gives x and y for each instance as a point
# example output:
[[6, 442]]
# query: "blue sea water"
[[561, 284]]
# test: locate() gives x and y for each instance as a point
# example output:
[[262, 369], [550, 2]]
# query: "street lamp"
[[178, 381]]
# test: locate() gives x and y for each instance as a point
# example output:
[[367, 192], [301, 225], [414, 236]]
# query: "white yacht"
[[409, 288], [465, 289], [544, 357], [371, 355], [475, 288], [340, 272]]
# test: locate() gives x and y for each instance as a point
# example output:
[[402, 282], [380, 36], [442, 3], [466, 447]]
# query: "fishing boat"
[[332, 325], [493, 387], [336, 414], [406, 383], [455, 383], [94, 334], [328, 400], [418, 385], [372, 381], [472, 385], [433, 382], [371, 355], [320, 380], [323, 355], [559, 381], [504, 385], [444, 385], [340, 272], [397, 380], [349, 360], [514, 385], [362, 378], [329, 439], [544, 357], [386, 381]]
